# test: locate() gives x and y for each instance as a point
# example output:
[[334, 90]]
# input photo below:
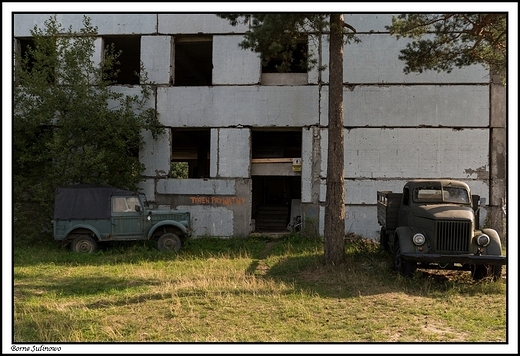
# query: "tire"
[[496, 271], [84, 244], [169, 242], [384, 242], [479, 272], [403, 267]]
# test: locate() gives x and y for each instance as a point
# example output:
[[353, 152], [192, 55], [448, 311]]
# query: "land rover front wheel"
[[169, 242], [84, 244]]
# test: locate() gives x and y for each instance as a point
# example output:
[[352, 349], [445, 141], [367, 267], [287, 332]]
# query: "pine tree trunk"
[[334, 233]]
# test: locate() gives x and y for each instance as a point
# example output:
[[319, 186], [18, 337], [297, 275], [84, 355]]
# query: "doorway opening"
[[272, 199]]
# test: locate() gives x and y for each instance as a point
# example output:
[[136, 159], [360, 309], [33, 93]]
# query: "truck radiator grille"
[[453, 236]]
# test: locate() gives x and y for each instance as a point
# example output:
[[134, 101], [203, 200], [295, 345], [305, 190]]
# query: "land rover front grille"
[[453, 236]]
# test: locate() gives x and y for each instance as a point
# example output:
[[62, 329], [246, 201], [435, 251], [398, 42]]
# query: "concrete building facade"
[[255, 142]]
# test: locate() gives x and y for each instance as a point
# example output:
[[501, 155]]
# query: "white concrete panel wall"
[[368, 22], [417, 152], [148, 188], [156, 154], [417, 105], [196, 24], [196, 186], [156, 55], [210, 221], [237, 105], [233, 156], [107, 24], [234, 65], [375, 60], [307, 158]]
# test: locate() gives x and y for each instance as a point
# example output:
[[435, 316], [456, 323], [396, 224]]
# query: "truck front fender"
[[83, 226], [495, 246], [168, 223], [405, 235]]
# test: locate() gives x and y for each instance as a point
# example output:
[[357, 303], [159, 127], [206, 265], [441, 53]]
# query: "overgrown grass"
[[255, 289]]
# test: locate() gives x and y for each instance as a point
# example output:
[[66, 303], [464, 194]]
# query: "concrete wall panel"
[[196, 24], [196, 186], [396, 153], [233, 65], [238, 105], [368, 22], [391, 106], [156, 56], [376, 60], [107, 24], [210, 220], [234, 153], [156, 154], [307, 159]]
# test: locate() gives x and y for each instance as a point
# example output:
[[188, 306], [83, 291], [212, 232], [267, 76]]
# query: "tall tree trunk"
[[334, 233]]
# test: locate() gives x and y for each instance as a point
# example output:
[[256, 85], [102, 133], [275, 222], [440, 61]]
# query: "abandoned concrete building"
[[253, 142]]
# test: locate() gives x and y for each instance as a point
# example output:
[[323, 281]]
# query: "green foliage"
[[442, 42], [278, 35], [179, 170], [70, 126]]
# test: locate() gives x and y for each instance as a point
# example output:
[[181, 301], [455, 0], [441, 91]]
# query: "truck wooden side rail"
[[387, 208]]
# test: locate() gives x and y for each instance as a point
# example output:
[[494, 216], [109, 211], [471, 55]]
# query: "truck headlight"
[[483, 240], [419, 239]]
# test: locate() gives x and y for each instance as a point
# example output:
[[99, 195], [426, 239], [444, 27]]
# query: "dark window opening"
[[190, 153], [276, 144], [129, 60], [47, 68], [193, 61], [298, 62]]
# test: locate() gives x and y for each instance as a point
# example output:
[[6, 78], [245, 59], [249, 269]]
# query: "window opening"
[[129, 60], [26, 45], [190, 153], [297, 65], [276, 144], [193, 61]]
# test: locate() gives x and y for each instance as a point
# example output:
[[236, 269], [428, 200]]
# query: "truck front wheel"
[[403, 267], [169, 242], [84, 244], [479, 272]]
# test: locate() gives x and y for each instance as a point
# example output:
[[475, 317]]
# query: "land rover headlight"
[[483, 240], [419, 239]]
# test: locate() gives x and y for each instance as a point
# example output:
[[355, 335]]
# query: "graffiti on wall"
[[217, 200]]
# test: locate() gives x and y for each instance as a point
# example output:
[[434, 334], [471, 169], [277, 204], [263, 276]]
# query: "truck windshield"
[[455, 195]]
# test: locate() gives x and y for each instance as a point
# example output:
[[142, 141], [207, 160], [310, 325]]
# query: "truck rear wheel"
[[169, 242], [84, 244], [384, 238], [403, 267]]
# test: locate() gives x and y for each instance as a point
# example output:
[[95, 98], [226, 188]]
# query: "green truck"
[[85, 215], [434, 224]]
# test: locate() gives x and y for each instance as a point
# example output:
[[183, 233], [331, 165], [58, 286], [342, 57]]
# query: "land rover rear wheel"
[[84, 244], [169, 242]]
